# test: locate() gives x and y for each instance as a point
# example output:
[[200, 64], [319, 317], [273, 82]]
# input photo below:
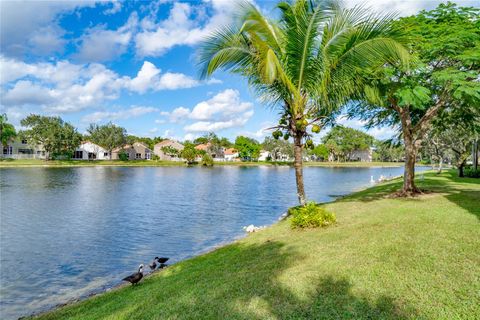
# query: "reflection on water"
[[66, 232]]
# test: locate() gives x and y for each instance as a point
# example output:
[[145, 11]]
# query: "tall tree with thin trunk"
[[445, 76], [304, 64]]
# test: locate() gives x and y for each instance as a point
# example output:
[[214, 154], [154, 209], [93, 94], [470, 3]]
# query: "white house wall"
[[89, 147]]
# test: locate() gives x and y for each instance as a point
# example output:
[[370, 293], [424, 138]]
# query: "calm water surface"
[[67, 232]]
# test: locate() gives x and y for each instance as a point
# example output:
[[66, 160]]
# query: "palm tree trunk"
[[298, 164]]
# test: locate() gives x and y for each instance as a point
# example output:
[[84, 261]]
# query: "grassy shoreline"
[[151, 163], [385, 258]]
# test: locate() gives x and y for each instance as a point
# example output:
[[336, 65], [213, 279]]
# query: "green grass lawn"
[[10, 163], [385, 258]]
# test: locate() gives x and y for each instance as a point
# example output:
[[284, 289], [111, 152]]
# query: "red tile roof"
[[203, 146], [230, 151]]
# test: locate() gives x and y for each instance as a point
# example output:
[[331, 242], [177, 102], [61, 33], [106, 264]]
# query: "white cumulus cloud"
[[62, 87], [132, 112], [223, 105], [187, 24], [223, 111], [150, 78]]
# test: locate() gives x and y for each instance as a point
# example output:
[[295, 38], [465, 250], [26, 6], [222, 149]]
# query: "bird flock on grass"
[[134, 278]]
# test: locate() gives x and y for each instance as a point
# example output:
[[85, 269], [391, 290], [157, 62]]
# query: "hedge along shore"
[[386, 258]]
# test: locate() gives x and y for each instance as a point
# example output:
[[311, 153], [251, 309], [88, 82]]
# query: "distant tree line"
[[60, 139]]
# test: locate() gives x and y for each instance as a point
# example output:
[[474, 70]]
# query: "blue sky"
[[133, 63]]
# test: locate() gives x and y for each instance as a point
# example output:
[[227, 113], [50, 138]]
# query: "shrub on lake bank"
[[207, 160], [312, 215]]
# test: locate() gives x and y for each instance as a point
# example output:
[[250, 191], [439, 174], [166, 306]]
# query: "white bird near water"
[[251, 228]]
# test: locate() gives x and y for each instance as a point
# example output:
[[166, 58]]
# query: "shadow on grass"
[[453, 175], [238, 282], [468, 200]]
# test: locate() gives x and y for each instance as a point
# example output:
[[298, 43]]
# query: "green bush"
[[122, 155], [471, 173], [207, 160], [311, 215]]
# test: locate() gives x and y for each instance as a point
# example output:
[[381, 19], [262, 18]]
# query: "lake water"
[[68, 232]]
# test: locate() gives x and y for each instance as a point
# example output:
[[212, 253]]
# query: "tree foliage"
[[149, 142], [277, 148], [319, 152], [207, 160], [342, 141], [248, 148], [7, 130], [388, 151], [108, 136], [216, 144], [446, 42], [456, 130], [171, 151], [57, 137], [189, 153]]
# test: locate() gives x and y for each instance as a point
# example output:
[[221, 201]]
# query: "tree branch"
[[421, 127]]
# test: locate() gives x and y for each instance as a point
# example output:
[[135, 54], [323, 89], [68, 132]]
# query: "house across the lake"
[[20, 148], [168, 150], [136, 151], [362, 155], [264, 155], [90, 151], [365, 155], [231, 154], [216, 152]]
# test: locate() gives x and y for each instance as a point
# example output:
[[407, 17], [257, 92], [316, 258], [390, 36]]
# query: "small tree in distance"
[[7, 130], [189, 153], [248, 148], [56, 136], [108, 136]]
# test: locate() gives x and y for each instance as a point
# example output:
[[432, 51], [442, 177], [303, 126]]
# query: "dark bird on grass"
[[162, 260], [135, 277], [153, 265]]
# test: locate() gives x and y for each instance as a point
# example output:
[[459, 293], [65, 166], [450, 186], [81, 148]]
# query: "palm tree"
[[305, 64]]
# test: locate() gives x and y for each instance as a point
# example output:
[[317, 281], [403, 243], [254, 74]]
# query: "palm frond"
[[224, 49], [309, 62]]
